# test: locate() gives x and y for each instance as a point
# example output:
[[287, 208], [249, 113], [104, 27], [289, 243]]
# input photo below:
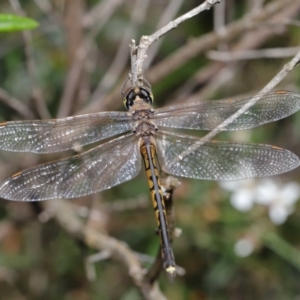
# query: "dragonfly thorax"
[[137, 93], [144, 128]]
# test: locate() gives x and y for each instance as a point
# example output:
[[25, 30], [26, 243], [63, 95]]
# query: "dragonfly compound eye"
[[142, 93], [129, 99], [146, 95]]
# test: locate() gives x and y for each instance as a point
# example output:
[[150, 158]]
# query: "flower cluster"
[[278, 198]]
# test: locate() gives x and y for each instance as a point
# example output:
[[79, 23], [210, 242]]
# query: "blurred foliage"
[[10, 23], [41, 261]]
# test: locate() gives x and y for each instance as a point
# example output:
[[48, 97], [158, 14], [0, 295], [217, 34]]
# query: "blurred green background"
[[227, 252]]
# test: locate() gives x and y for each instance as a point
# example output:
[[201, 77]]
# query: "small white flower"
[[242, 197], [243, 247], [265, 192], [279, 199]]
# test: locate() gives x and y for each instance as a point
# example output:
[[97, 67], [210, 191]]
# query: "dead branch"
[[36, 91]]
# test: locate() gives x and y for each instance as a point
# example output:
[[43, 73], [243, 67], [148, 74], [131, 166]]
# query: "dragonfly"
[[144, 135]]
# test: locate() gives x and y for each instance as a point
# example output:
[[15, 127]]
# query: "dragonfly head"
[[137, 93]]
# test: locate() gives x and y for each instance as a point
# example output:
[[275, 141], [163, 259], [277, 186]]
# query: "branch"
[[226, 56], [15, 104], [169, 13], [99, 11], [36, 91], [210, 40], [108, 8], [146, 41], [117, 66], [189, 51], [219, 74], [69, 220]]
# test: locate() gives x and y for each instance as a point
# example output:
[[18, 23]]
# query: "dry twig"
[[15, 104], [37, 94], [252, 54], [215, 76], [210, 40], [140, 52], [121, 58], [193, 48], [108, 8]]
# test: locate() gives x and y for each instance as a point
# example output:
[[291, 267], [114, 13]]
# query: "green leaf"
[[13, 23]]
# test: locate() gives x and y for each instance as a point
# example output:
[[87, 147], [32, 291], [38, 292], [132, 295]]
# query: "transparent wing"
[[207, 115], [95, 170], [45, 136], [186, 156]]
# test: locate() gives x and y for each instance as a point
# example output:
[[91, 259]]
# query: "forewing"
[[187, 156], [45, 136], [207, 115], [95, 170]]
